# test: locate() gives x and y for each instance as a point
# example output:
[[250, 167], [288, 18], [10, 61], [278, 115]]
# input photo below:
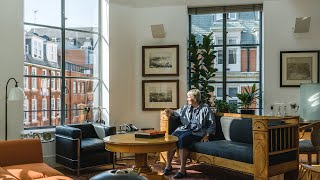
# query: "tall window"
[[238, 47], [68, 52]]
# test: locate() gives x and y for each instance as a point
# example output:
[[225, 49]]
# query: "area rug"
[[194, 171]]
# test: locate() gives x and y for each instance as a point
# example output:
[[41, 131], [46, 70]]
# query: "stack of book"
[[149, 134]]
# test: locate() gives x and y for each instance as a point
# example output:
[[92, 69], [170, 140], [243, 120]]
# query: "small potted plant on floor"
[[247, 98]]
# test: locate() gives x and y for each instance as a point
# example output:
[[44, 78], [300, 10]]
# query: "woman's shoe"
[[180, 175], [167, 172]]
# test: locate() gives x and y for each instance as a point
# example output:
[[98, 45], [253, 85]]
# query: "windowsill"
[[48, 130]]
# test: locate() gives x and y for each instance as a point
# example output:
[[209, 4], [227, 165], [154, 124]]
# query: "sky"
[[79, 13]]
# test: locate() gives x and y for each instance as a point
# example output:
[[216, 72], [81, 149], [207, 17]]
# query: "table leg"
[[141, 162]]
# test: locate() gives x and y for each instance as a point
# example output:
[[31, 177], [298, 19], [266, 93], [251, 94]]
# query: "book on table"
[[149, 134]]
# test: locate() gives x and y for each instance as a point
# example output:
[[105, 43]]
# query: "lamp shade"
[[310, 102], [15, 94]]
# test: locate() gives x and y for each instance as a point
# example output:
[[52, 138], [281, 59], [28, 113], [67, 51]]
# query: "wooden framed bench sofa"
[[260, 146]]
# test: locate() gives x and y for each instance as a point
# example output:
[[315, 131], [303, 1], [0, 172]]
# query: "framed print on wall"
[[298, 67], [160, 60], [160, 94]]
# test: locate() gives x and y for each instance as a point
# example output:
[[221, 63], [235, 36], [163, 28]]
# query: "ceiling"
[[189, 3]]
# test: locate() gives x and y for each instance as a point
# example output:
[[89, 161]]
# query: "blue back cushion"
[[238, 130]]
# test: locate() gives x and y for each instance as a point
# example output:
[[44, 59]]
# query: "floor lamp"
[[16, 93]]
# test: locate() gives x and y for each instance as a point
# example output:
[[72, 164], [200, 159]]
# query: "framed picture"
[[298, 67], [160, 94], [160, 60]]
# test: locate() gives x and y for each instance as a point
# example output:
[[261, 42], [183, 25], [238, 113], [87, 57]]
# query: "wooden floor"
[[194, 171]]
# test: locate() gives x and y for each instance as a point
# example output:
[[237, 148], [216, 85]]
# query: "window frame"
[[226, 34]]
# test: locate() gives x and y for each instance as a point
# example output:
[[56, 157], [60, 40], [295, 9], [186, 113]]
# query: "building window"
[[82, 88], [52, 52], [219, 92], [232, 16], [25, 79], [74, 111], [232, 56], [53, 107], [233, 102], [26, 110], [34, 110], [220, 56], [34, 79], [58, 104], [44, 109], [53, 81], [79, 87], [219, 16], [233, 91], [58, 81], [66, 109], [74, 87]]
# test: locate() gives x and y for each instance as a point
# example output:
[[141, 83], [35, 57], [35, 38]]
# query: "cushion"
[[99, 129], [5, 174], [237, 130], [226, 149], [92, 145], [32, 171], [20, 151], [306, 146]]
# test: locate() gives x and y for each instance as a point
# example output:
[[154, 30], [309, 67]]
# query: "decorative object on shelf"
[[294, 108], [160, 94], [46, 136], [247, 98], [100, 120], [297, 67], [16, 93], [160, 60], [201, 57]]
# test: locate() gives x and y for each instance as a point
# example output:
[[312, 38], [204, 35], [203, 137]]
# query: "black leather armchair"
[[78, 146]]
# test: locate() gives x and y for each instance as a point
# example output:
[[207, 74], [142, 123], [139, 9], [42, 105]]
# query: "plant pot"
[[248, 111]]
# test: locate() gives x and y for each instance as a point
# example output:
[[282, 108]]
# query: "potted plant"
[[201, 58], [222, 106], [247, 98]]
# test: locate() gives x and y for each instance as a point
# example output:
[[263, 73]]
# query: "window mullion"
[[63, 86], [224, 52]]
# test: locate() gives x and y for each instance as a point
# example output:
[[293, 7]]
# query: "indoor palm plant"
[[247, 98], [201, 58]]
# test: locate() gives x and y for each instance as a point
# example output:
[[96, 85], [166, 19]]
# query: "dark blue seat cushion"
[[92, 145], [226, 149]]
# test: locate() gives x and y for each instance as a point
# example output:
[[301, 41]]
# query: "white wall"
[[279, 19], [11, 57], [278, 35], [129, 31]]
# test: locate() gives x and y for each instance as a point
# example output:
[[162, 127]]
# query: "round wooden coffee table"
[[127, 143]]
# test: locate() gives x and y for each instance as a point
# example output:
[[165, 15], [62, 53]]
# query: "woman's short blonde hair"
[[195, 93]]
